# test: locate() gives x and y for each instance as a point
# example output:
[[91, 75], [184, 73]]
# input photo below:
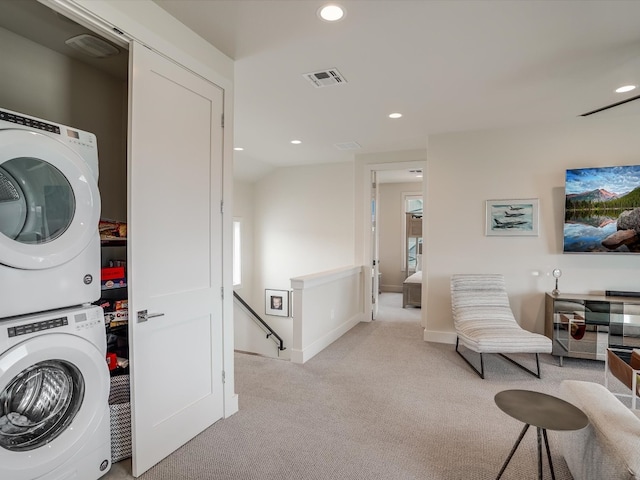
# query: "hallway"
[[390, 309]]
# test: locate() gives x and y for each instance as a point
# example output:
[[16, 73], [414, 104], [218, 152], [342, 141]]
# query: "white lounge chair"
[[485, 323]]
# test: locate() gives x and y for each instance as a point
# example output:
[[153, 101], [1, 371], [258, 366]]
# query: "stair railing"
[[270, 331]]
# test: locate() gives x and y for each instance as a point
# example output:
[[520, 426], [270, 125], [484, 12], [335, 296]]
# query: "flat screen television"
[[602, 210]]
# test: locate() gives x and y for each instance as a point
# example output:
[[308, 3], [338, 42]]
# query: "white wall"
[[391, 232], [326, 306], [248, 335], [303, 224], [466, 169]]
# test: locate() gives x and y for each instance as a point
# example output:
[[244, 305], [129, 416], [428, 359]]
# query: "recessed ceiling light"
[[238, 149], [331, 12], [395, 115], [296, 142], [625, 88]]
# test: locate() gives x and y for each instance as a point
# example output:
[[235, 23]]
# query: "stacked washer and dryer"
[[54, 380]]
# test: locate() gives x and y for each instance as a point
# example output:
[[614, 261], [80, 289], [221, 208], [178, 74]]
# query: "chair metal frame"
[[481, 371]]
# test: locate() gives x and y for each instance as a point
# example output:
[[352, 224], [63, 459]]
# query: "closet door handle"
[[143, 316]]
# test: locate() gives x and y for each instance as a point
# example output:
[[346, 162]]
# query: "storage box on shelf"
[[584, 326], [113, 274], [112, 277]]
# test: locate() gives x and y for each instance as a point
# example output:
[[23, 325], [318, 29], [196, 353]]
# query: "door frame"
[[367, 230], [375, 243]]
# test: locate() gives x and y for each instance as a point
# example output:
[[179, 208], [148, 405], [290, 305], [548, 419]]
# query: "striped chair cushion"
[[483, 318]]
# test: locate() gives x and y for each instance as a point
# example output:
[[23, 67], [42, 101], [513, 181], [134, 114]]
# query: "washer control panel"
[[37, 326], [88, 319], [28, 122], [78, 320]]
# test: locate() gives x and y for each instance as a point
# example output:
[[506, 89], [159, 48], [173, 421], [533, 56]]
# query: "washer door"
[[39, 404], [54, 390], [49, 201]]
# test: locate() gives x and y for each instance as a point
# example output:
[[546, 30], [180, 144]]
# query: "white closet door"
[[174, 255]]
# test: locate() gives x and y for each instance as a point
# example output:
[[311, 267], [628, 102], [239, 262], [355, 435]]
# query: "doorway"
[[385, 240]]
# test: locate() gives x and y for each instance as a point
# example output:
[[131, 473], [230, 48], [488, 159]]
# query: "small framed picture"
[[512, 217], [276, 302]]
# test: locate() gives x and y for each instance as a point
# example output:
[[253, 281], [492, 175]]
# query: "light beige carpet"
[[390, 309], [379, 403]]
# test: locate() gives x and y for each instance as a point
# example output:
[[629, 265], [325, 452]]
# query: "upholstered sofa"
[[609, 447]]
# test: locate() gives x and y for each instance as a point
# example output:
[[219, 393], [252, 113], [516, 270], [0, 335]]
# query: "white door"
[[375, 264], [174, 255]]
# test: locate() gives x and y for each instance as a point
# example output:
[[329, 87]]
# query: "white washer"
[[54, 390], [49, 214]]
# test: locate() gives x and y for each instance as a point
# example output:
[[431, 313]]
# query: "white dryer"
[[54, 390], [49, 214]]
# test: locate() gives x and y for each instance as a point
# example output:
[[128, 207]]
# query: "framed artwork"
[[512, 217], [601, 206], [276, 302]]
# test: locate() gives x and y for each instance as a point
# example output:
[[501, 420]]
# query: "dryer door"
[[49, 201], [54, 391]]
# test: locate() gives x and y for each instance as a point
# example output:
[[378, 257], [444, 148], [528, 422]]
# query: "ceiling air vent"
[[92, 46], [325, 78], [348, 146]]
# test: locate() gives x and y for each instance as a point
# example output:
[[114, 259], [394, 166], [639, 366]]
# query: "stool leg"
[[539, 454], [513, 450], [546, 442]]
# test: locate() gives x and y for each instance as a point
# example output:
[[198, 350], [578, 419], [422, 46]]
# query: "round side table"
[[543, 411]]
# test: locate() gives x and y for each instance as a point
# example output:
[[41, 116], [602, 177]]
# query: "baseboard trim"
[[436, 336], [391, 288], [308, 352]]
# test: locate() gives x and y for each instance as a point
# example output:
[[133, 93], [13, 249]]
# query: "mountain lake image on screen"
[[602, 210]]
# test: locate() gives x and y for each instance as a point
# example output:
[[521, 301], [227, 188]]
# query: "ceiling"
[[42, 25], [447, 66]]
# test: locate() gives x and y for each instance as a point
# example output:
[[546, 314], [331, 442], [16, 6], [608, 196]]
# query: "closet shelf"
[[113, 242]]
